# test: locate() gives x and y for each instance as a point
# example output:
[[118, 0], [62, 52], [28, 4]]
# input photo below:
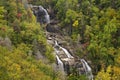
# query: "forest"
[[90, 27]]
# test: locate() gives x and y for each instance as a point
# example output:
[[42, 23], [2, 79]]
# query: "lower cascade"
[[88, 70], [60, 64], [64, 60]]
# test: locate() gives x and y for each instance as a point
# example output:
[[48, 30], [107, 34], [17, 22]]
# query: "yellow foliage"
[[117, 60], [116, 71], [106, 75], [109, 69], [17, 66], [75, 24], [111, 51], [102, 75]]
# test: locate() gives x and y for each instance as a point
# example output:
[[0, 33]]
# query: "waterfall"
[[64, 62], [60, 63], [66, 52], [88, 70], [41, 14], [68, 59], [56, 43], [46, 15]]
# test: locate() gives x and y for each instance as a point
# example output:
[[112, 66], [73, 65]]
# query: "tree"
[[102, 75], [2, 12], [22, 28]]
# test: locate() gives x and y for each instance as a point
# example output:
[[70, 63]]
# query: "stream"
[[64, 60]]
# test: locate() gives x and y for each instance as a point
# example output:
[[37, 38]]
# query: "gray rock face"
[[6, 42], [38, 51], [53, 28]]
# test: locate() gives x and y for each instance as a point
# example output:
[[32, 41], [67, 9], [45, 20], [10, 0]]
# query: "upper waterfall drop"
[[41, 14], [47, 17]]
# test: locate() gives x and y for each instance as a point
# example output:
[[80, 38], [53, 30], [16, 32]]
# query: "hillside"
[[88, 29]]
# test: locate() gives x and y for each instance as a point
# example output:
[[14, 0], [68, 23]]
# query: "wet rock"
[[67, 67], [50, 42], [53, 28], [61, 54], [41, 14], [8, 43]]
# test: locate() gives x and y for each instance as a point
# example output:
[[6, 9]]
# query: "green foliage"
[[19, 25], [68, 5], [17, 65], [73, 77], [101, 34], [71, 15], [2, 12], [96, 21], [61, 10], [49, 53]]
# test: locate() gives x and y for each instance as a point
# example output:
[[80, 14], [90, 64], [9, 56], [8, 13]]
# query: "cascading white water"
[[41, 14], [60, 63], [66, 52], [56, 43], [47, 17], [88, 69]]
